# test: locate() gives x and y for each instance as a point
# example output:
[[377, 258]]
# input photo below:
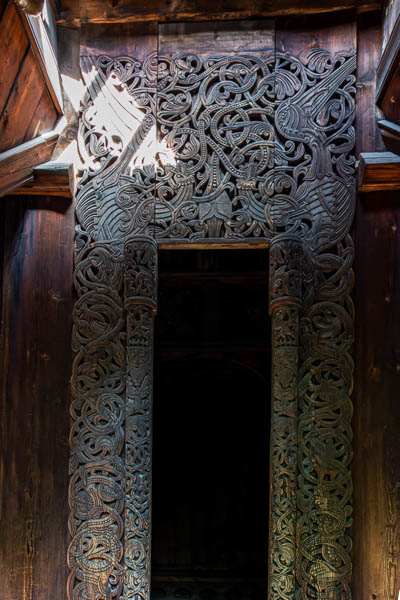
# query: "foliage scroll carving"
[[249, 148]]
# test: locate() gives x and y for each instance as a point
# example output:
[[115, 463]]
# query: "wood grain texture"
[[16, 165], [376, 462], [35, 371], [387, 72], [210, 37], [378, 171], [101, 11], [49, 179], [127, 39], [336, 33], [14, 44], [391, 15], [21, 109]]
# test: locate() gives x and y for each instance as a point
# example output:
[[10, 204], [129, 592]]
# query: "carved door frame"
[[307, 213]]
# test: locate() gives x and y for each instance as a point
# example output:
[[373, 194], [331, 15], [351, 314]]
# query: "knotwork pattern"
[[314, 201], [217, 115], [96, 495], [140, 304], [249, 148]]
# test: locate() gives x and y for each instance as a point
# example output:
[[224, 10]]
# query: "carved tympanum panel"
[[217, 116], [231, 148]]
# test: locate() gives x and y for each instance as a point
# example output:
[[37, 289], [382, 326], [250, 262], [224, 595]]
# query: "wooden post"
[[285, 303], [140, 305]]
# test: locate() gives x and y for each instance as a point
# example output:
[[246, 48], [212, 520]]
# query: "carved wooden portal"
[[249, 148]]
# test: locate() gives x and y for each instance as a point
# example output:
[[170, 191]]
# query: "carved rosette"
[[140, 305]]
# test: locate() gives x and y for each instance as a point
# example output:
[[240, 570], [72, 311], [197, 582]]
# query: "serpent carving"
[[250, 147]]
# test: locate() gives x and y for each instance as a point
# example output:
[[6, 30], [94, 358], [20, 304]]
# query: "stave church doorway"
[[211, 422]]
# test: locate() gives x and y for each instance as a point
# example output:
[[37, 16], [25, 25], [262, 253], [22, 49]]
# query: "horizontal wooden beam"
[[378, 171], [109, 11], [389, 128], [49, 179], [17, 164]]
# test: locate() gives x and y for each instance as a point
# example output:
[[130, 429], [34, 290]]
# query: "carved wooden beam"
[[378, 171], [49, 179], [101, 11], [17, 164]]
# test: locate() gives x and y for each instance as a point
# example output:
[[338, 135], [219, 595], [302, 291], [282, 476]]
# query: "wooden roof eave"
[[74, 12]]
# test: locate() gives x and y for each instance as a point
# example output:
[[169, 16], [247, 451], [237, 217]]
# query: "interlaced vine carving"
[[286, 260], [140, 304], [314, 201], [116, 190], [96, 496], [217, 115], [255, 147]]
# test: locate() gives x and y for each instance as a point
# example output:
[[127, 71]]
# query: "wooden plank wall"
[[26, 109], [376, 467], [391, 13], [34, 396]]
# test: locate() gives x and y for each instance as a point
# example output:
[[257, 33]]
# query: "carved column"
[[96, 497], [285, 302], [140, 280]]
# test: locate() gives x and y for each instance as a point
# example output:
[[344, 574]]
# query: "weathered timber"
[[49, 179], [99, 11], [206, 190], [14, 44], [22, 104], [16, 165], [44, 54], [224, 200], [376, 466], [308, 405], [388, 69], [34, 373], [226, 37], [390, 128], [43, 118], [391, 14], [390, 133], [378, 171], [31, 7]]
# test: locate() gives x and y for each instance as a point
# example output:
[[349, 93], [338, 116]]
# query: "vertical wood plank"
[[376, 467], [14, 44], [22, 105], [35, 373]]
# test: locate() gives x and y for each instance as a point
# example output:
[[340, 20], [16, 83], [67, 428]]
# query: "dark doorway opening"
[[211, 426]]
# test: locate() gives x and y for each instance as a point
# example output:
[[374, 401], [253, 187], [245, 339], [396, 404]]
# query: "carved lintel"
[[140, 276]]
